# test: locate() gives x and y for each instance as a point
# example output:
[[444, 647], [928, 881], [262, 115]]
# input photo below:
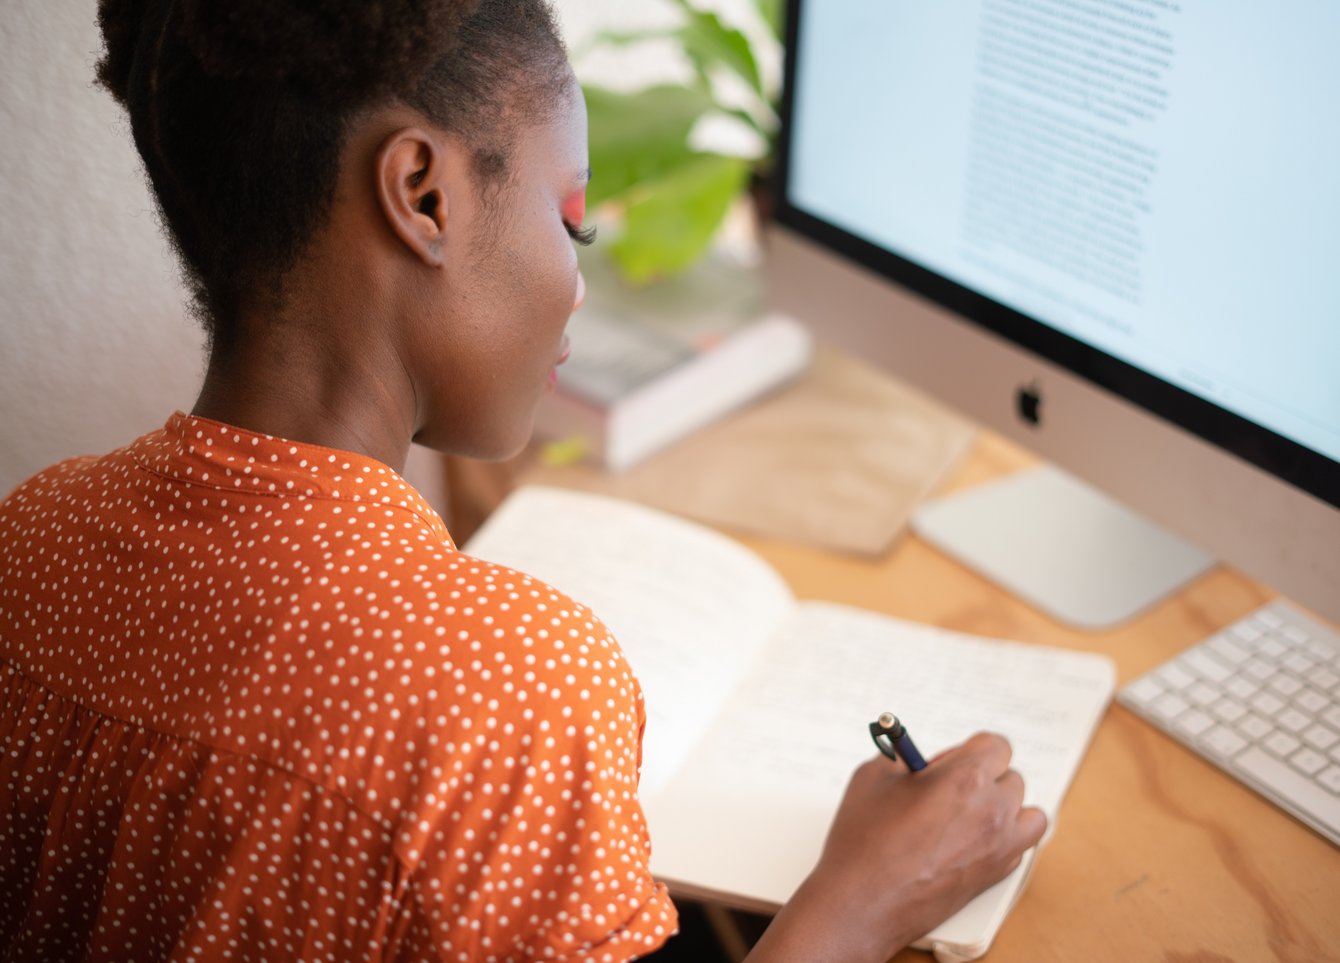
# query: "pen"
[[891, 737]]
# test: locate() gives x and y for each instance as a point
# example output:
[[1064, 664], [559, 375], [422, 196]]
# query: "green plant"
[[670, 197]]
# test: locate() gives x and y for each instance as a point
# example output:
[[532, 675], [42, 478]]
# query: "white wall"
[[95, 345]]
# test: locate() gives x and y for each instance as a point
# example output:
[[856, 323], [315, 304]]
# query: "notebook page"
[[690, 608], [749, 813]]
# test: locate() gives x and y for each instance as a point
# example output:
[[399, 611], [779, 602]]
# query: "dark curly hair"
[[239, 110]]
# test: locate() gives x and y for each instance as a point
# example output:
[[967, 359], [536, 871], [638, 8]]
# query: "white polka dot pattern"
[[255, 705]]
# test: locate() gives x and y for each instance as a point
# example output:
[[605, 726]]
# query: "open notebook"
[[758, 705]]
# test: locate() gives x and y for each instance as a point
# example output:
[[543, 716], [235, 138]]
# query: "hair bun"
[[332, 49], [120, 22]]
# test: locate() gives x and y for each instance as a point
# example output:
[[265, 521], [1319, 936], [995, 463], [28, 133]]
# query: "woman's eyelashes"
[[582, 235]]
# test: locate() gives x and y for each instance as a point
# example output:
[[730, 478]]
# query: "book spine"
[[754, 360], [711, 384]]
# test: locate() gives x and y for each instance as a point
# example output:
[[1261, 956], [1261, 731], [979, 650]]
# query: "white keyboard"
[[1260, 700]]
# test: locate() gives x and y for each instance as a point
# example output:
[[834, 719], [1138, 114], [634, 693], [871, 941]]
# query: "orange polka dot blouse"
[[254, 705]]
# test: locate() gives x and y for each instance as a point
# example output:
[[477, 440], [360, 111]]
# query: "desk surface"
[[1157, 854]]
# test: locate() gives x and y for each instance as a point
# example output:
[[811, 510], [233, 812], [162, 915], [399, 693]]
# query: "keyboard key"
[[1323, 678], [1301, 792], [1295, 635], [1229, 710], [1266, 703], [1299, 663], [1311, 701], [1320, 650], [1204, 664], [1285, 684], [1242, 687], [1271, 647], [1203, 694], [1320, 737], [1280, 743], [1228, 650], [1223, 742], [1331, 779], [1259, 669], [1248, 630], [1268, 618], [1253, 726], [1170, 705], [1193, 722], [1174, 676], [1308, 761], [1144, 690], [1293, 720]]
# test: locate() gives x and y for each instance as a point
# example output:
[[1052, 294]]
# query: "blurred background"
[[95, 344]]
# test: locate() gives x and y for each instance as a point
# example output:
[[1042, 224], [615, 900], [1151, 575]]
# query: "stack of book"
[[650, 365]]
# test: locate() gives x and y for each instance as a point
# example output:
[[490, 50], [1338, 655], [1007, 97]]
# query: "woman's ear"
[[411, 172]]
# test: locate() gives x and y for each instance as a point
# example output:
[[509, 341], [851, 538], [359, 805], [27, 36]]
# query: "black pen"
[[891, 737]]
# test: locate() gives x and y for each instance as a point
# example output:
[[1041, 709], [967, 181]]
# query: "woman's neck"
[[308, 383]]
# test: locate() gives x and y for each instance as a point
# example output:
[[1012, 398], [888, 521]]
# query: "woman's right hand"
[[905, 851]]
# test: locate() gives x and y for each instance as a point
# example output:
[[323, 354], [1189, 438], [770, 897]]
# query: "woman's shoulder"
[[445, 665], [434, 605], [65, 479]]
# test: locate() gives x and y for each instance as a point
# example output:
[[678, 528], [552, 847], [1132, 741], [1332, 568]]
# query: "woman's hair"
[[239, 110]]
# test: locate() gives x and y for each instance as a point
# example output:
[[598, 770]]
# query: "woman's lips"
[[565, 348]]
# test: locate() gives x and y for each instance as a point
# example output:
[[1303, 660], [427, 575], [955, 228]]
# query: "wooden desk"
[[1158, 856]]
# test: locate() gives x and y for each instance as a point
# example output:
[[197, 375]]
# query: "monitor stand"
[[1061, 546]]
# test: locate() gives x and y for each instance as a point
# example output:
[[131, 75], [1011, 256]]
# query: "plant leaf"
[[670, 227], [766, 128], [709, 42], [773, 13], [618, 38], [624, 38], [638, 137]]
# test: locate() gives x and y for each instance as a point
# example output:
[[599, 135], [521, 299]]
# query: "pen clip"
[[883, 731]]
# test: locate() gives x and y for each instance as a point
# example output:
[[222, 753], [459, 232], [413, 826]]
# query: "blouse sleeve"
[[525, 837]]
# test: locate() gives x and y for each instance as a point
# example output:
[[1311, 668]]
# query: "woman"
[[254, 704]]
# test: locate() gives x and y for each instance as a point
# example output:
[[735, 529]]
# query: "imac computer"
[[1108, 229]]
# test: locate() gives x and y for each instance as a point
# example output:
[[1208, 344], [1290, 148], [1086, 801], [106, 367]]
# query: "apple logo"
[[1029, 402]]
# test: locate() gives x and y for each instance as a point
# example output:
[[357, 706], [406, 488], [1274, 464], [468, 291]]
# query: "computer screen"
[[1140, 195]]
